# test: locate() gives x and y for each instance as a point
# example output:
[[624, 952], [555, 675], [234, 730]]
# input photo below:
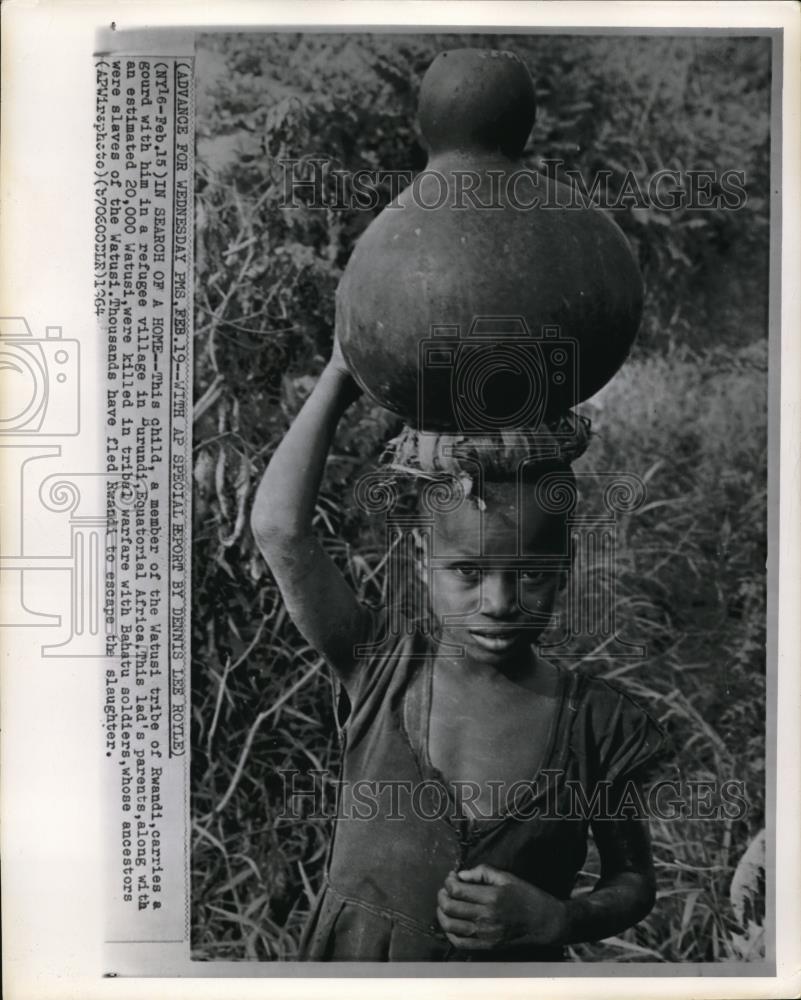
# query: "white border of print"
[[51, 826]]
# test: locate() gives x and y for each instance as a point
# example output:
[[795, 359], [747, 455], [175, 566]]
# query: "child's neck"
[[524, 670]]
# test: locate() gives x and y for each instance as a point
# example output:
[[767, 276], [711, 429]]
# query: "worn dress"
[[400, 829]]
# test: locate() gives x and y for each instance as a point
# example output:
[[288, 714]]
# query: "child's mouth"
[[495, 640]]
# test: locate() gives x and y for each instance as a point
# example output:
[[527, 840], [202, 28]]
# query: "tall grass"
[[691, 582]]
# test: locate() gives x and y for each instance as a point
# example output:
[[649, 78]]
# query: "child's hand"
[[485, 908], [337, 365]]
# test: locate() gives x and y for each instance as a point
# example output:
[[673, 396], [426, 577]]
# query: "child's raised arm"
[[317, 597]]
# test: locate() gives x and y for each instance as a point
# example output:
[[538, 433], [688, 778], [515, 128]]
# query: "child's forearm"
[[486, 908], [616, 903], [284, 503]]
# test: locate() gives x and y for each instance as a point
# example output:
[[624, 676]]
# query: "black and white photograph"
[[399, 519], [480, 497]]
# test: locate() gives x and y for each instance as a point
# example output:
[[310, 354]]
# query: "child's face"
[[503, 602]]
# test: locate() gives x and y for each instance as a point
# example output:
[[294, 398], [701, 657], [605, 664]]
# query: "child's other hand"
[[485, 908]]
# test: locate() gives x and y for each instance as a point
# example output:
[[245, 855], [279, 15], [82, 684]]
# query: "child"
[[472, 714]]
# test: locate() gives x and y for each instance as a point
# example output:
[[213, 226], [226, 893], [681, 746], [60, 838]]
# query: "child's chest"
[[489, 739]]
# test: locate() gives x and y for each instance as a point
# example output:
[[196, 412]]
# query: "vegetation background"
[[687, 414]]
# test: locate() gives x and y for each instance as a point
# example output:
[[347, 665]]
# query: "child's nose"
[[499, 594]]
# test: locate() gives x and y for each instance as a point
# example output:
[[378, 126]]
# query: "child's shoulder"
[[613, 726], [603, 697]]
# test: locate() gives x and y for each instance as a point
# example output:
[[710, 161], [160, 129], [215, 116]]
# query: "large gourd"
[[463, 317]]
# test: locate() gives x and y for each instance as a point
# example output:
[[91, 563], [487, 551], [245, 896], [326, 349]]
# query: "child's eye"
[[467, 572], [534, 575]]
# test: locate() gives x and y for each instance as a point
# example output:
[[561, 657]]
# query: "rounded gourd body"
[[485, 292]]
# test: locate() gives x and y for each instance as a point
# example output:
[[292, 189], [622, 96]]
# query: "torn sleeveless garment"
[[400, 831]]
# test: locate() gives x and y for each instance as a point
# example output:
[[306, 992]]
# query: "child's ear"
[[421, 566], [562, 580], [420, 558]]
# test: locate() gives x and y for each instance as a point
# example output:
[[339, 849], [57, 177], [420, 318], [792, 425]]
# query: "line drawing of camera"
[[497, 376], [40, 381]]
